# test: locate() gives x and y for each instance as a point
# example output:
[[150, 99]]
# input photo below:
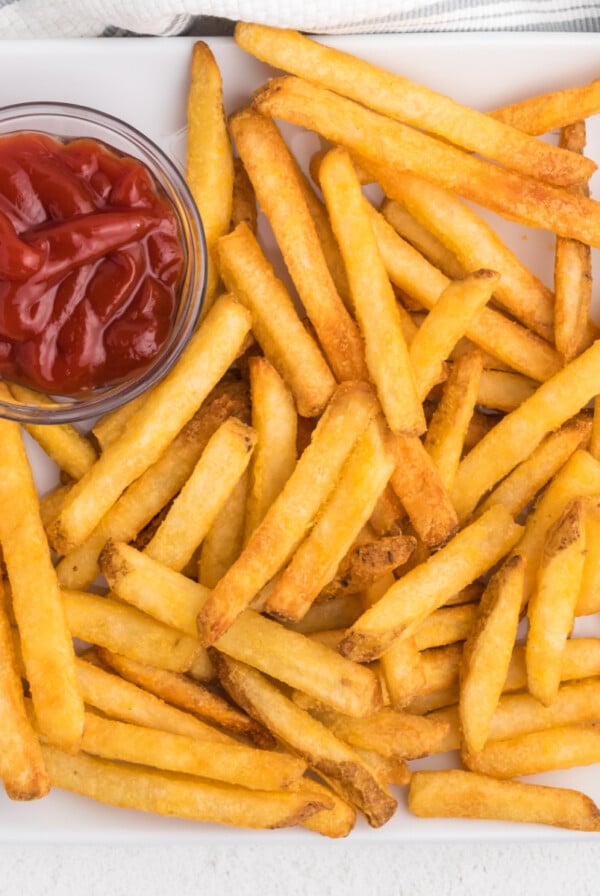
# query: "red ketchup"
[[90, 264]]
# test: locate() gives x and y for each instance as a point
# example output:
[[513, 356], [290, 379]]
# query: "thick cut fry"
[[110, 623], [399, 612], [541, 751], [110, 426], [52, 502], [500, 390], [362, 479], [551, 607], [167, 409], [385, 148], [289, 518], [275, 321], [149, 494], [280, 195], [132, 787], [45, 641], [580, 659], [445, 324], [244, 199], [487, 652], [209, 164], [521, 431], [519, 348], [275, 422], [407, 101], [234, 763], [572, 271], [22, 769], [219, 469], [441, 667], [422, 239], [308, 738], [459, 794], [335, 822], [447, 431], [522, 485], [550, 111], [446, 626], [419, 486], [225, 538], [372, 296], [403, 672]]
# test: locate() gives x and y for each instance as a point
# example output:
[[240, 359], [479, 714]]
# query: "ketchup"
[[90, 263]]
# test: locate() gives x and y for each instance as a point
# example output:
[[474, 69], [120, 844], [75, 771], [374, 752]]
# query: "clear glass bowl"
[[66, 122]]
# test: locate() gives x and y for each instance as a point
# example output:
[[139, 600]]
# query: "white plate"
[[144, 81]]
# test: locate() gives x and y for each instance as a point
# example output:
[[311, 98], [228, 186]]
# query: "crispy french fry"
[[308, 738], [290, 516], [521, 431], [372, 296], [487, 652], [243, 206], [399, 612], [458, 794], [580, 659], [403, 99], [551, 608], [550, 111], [448, 427], [588, 599], [500, 390], [337, 613], [447, 625], [275, 321], [224, 540], [209, 164], [594, 446], [361, 481], [441, 667], [150, 430], [52, 502], [280, 195], [422, 239], [403, 672], [366, 563], [46, 645], [275, 422], [335, 822], [110, 426], [133, 787]]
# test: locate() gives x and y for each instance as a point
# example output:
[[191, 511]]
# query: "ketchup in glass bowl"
[[102, 261]]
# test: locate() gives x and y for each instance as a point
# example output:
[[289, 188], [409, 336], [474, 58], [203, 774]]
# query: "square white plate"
[[144, 81]]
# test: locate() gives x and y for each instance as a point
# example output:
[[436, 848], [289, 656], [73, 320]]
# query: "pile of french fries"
[[306, 557]]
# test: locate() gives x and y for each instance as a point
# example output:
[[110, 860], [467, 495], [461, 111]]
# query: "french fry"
[[550, 111], [594, 446], [459, 794], [52, 502], [500, 390], [362, 479], [403, 672], [372, 296], [22, 769], [551, 608], [588, 600], [243, 206], [366, 563], [290, 516], [463, 559], [219, 469], [337, 613], [448, 427], [209, 163], [167, 409], [46, 645], [335, 822], [280, 195], [308, 738], [521, 431], [441, 667], [445, 324], [447, 625], [505, 339], [132, 787], [275, 422], [111, 425], [403, 99], [487, 652], [224, 540], [580, 659], [275, 321], [422, 239]]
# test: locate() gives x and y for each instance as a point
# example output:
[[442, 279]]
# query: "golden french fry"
[[151, 429], [407, 226], [366, 563], [550, 111], [372, 296], [289, 517], [46, 644], [308, 738], [275, 422], [594, 446], [580, 659], [446, 626], [410, 102], [280, 195], [487, 652], [413, 597], [243, 206], [458, 794], [500, 390], [361, 481], [551, 608], [209, 164], [403, 672], [224, 540], [134, 787], [275, 321], [335, 822], [521, 431], [190, 516], [22, 769], [522, 485], [52, 502], [337, 613], [588, 599], [441, 667], [447, 431]]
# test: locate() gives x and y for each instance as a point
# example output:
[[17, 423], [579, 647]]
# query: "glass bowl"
[[67, 122]]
